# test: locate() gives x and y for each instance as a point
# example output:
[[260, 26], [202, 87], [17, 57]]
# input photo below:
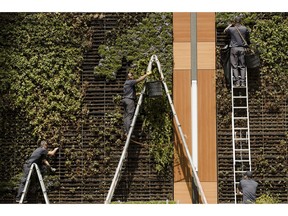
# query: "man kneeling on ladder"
[[38, 157]]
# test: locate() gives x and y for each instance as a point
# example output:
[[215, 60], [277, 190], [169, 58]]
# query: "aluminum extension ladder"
[[240, 132], [118, 170], [24, 193]]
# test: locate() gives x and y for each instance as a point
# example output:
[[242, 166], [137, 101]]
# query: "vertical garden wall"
[[268, 107], [61, 79], [41, 92], [51, 89]]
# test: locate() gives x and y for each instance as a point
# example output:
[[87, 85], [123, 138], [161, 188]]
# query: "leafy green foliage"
[[150, 34], [158, 124], [267, 199], [41, 54], [269, 36]]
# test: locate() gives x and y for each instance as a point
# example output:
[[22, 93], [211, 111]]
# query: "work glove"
[[149, 72], [53, 169]]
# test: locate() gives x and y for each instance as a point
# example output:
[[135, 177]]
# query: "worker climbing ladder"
[[125, 149], [27, 184], [240, 133], [124, 152]]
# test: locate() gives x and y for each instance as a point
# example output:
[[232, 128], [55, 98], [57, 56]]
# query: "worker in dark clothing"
[[247, 187], [39, 156], [239, 40], [129, 98]]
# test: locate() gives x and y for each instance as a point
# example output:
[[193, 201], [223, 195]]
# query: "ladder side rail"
[[27, 183], [187, 150], [181, 133], [42, 183], [233, 138], [124, 152], [248, 121]]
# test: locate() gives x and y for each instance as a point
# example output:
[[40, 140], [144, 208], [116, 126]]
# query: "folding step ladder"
[[124, 152], [240, 132], [24, 193], [118, 170]]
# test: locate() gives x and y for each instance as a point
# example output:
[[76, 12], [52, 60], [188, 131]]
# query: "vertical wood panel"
[[207, 125], [182, 55], [182, 195], [206, 55], [207, 160], [210, 190], [206, 27], [182, 104], [181, 27]]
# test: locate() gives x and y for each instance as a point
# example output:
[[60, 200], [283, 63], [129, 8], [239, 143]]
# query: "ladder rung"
[[240, 117], [237, 97], [241, 149], [242, 160], [240, 128], [239, 87], [244, 107], [241, 138], [240, 171]]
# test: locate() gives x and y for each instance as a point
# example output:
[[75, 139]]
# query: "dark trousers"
[[26, 168], [237, 61], [129, 108]]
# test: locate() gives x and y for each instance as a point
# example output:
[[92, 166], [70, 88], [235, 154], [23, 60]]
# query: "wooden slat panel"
[[207, 125], [182, 55], [206, 55], [210, 191], [181, 27], [181, 100], [181, 193], [206, 27]]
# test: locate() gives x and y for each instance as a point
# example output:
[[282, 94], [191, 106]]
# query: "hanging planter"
[[154, 88]]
